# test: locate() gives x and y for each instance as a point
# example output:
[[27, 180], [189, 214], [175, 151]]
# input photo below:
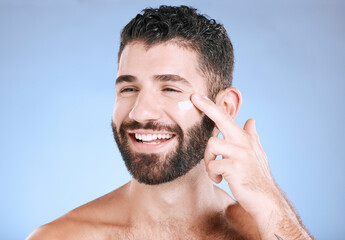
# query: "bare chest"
[[175, 233]]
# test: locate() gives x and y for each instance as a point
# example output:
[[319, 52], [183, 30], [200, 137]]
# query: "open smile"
[[151, 141]]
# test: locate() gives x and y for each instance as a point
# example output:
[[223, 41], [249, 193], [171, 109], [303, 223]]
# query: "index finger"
[[224, 122]]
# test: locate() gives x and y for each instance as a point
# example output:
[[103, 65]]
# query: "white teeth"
[[150, 143], [150, 137], [138, 136]]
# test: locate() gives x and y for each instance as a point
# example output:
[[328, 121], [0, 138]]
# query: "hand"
[[244, 164], [245, 167]]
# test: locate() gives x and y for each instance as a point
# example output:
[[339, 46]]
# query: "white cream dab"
[[185, 105]]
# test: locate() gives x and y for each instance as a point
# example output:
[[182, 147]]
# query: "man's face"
[[159, 142]]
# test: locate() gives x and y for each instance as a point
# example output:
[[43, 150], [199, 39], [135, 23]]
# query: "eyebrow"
[[125, 78], [171, 78], [160, 78]]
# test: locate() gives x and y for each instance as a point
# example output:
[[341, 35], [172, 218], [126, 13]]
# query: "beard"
[[157, 168]]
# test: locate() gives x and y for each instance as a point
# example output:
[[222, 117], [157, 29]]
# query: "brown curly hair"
[[185, 26]]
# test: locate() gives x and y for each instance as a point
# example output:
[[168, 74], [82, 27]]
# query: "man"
[[174, 96]]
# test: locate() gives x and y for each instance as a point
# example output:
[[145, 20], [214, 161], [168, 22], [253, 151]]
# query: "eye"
[[170, 90], [128, 90]]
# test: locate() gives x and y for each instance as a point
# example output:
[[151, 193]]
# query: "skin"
[[190, 207]]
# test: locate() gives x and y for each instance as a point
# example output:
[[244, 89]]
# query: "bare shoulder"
[[111, 208], [43, 232], [58, 229], [94, 220]]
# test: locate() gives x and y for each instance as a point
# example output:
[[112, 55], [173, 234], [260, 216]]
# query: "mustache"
[[133, 125]]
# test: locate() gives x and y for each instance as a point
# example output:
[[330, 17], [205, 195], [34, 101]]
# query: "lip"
[[150, 148], [148, 131]]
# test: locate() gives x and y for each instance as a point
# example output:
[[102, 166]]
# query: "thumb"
[[249, 127]]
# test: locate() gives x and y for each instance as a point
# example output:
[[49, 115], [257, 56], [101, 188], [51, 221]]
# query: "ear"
[[229, 100]]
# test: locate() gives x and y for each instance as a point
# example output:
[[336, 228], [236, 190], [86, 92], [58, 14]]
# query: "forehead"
[[161, 59]]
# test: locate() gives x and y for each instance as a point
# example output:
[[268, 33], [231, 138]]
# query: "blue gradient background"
[[57, 71]]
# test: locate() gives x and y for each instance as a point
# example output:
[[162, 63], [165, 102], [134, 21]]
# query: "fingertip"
[[254, 124], [196, 97], [249, 126], [218, 179], [199, 97]]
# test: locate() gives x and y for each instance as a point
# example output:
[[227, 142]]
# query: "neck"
[[185, 199]]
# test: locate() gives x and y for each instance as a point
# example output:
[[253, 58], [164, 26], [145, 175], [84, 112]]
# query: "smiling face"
[[159, 141]]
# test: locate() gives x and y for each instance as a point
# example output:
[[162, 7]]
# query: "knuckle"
[[236, 165], [212, 141], [210, 167]]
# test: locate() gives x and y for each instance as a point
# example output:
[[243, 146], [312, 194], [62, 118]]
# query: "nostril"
[[143, 112]]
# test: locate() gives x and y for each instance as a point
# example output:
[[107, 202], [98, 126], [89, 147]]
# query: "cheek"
[[183, 112], [122, 107]]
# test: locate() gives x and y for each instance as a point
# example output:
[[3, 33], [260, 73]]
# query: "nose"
[[146, 108]]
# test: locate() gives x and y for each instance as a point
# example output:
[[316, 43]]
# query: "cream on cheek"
[[185, 105], [178, 108], [182, 111]]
